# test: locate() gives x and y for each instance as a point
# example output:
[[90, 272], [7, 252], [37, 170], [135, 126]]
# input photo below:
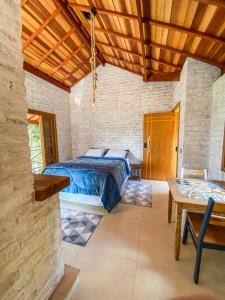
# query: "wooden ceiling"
[[151, 38]]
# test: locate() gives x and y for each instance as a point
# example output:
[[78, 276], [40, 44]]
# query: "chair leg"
[[185, 233], [197, 264]]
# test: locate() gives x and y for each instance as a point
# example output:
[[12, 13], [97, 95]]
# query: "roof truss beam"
[[186, 30], [138, 4], [188, 54], [68, 58], [59, 43], [77, 68]]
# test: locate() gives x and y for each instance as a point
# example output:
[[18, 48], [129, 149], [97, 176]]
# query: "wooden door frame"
[[178, 135], [54, 137]]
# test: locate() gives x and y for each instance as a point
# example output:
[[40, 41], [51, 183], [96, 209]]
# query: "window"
[[42, 139], [223, 153]]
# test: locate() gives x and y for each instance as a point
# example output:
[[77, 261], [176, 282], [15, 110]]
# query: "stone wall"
[[44, 96], [31, 261], [117, 120], [217, 130], [194, 91]]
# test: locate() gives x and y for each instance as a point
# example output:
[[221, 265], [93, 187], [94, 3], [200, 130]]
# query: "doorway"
[[161, 136], [42, 139]]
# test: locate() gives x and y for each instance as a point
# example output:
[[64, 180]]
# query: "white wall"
[[44, 96], [117, 120], [194, 91], [217, 130]]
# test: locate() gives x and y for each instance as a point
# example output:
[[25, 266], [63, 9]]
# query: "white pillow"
[[116, 153], [95, 152]]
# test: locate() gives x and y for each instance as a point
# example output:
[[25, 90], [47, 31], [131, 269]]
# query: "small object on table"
[[191, 194], [136, 170]]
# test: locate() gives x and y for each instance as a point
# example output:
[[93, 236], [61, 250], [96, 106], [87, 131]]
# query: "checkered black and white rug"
[[138, 193], [78, 226]]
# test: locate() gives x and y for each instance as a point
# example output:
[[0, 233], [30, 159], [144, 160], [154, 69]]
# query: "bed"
[[93, 180]]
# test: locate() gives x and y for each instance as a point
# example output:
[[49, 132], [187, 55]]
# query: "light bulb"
[[93, 104]]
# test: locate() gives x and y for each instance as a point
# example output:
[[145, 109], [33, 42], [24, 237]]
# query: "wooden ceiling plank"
[[76, 82], [125, 68], [79, 27], [23, 2], [29, 68], [188, 54], [164, 63], [47, 21], [138, 4], [78, 67], [219, 3], [68, 58], [182, 29], [119, 49], [104, 11], [122, 60], [49, 52], [118, 34]]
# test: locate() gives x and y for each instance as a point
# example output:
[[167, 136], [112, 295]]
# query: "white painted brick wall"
[[44, 96], [194, 91], [217, 130], [117, 120], [31, 261]]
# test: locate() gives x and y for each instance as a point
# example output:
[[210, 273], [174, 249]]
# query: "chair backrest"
[[194, 173], [206, 219]]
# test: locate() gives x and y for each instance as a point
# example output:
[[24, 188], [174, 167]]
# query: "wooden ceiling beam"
[[188, 54], [59, 43], [77, 69], [122, 60], [219, 3], [80, 30], [68, 58], [40, 28], [173, 76], [118, 34], [29, 68], [125, 68], [104, 11], [119, 49], [138, 4], [189, 31]]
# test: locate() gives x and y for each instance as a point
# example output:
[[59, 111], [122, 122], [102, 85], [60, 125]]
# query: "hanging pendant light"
[[93, 57]]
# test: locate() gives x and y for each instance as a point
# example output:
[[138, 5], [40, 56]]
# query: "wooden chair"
[[206, 230], [194, 173]]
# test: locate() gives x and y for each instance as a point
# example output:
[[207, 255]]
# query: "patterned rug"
[[138, 193], [78, 226]]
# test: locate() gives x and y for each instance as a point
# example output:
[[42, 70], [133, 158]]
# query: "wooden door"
[[159, 146]]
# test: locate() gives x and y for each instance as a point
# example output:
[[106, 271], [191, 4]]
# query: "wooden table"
[[183, 202], [136, 170]]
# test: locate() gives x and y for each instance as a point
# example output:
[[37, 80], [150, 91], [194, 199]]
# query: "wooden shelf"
[[46, 186]]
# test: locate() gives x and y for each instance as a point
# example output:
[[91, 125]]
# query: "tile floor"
[[130, 257]]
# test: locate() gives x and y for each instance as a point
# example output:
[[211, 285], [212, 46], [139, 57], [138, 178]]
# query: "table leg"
[[170, 205], [178, 230]]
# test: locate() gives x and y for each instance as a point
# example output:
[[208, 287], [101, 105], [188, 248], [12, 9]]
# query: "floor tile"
[[69, 252], [103, 276]]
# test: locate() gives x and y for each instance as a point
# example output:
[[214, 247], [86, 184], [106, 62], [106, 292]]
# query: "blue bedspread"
[[100, 176]]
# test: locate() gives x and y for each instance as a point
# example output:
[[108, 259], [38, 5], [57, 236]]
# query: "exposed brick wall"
[[194, 91], [31, 261], [44, 96], [117, 120], [217, 130]]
